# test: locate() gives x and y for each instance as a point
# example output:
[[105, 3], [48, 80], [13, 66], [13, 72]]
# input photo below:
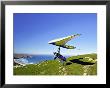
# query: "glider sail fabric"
[[62, 41], [68, 47]]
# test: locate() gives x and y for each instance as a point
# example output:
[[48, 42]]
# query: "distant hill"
[[93, 55], [17, 56]]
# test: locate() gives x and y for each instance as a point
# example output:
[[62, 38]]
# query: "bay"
[[35, 59]]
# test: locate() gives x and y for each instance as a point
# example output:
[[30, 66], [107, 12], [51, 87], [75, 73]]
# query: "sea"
[[35, 59]]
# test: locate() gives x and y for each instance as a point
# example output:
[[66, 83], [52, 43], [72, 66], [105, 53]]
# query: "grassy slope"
[[54, 67]]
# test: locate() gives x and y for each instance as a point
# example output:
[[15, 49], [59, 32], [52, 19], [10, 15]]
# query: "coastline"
[[17, 56]]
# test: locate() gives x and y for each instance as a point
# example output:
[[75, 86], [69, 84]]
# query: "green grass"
[[94, 56], [54, 67]]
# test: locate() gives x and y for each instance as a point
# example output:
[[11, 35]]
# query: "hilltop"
[[75, 65]]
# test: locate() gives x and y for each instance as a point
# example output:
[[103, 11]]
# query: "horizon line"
[[52, 54]]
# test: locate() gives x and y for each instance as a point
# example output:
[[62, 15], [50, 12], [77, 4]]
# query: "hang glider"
[[61, 42]]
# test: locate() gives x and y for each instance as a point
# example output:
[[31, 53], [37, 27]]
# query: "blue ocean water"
[[35, 59]]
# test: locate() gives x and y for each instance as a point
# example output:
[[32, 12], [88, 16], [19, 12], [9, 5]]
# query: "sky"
[[33, 31]]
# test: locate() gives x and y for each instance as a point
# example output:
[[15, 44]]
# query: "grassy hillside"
[[75, 65]]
